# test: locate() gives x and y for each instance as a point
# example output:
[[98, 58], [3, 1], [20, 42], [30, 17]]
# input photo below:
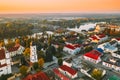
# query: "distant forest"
[[11, 29], [14, 29]]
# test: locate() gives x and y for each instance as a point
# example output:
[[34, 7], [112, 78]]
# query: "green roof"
[[114, 78]]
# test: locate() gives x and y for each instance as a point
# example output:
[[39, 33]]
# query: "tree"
[[49, 54], [60, 61], [97, 74], [53, 50], [27, 52], [2, 43], [17, 41], [35, 65], [10, 44], [41, 62], [5, 77], [23, 70], [41, 54], [88, 48]]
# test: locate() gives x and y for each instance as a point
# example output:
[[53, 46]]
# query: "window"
[[1, 70]]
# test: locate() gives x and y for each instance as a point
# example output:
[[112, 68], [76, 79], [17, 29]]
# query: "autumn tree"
[[10, 44], [27, 52], [23, 70], [97, 74], [17, 41], [41, 62], [2, 43]]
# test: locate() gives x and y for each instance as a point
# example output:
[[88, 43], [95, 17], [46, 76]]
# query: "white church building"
[[33, 53]]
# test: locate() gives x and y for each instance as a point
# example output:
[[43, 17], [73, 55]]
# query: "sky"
[[58, 6]]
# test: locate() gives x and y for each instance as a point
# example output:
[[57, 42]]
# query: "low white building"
[[68, 71], [113, 43], [107, 47], [5, 65], [113, 63], [33, 53], [72, 48], [50, 33], [16, 50], [98, 38], [67, 62], [116, 54], [117, 39], [93, 56]]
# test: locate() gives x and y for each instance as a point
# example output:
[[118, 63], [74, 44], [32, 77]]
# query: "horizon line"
[[90, 12]]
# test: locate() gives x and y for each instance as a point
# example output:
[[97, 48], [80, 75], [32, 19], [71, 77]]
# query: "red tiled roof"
[[118, 39], [37, 76], [94, 38], [3, 65], [59, 74], [2, 54], [94, 54], [13, 49], [101, 35], [74, 46], [68, 69]]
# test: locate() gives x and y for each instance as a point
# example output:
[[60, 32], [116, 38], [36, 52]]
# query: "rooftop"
[[3, 65], [13, 49], [59, 74], [118, 39], [2, 54], [101, 35], [72, 46], [68, 69], [113, 61], [93, 54], [37, 76]]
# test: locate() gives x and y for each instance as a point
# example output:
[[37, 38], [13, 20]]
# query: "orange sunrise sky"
[[55, 6]]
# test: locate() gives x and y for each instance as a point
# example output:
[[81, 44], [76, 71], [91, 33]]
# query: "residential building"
[[98, 38], [60, 75], [72, 48], [93, 56], [5, 65], [107, 47], [16, 50], [116, 54], [68, 62], [113, 63], [117, 39], [66, 70], [113, 43]]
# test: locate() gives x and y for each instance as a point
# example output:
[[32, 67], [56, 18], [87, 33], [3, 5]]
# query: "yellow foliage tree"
[[23, 70], [97, 74], [2, 43], [41, 62], [27, 52], [17, 41]]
